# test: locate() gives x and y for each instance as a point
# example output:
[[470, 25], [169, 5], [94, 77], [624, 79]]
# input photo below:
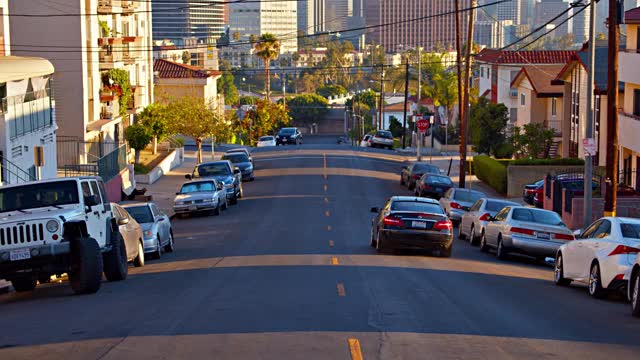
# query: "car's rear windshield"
[[266, 138], [468, 196], [630, 230], [287, 131], [215, 169], [201, 186], [385, 134], [417, 207], [141, 213], [38, 195], [439, 180], [537, 216], [236, 157], [426, 168], [495, 206]]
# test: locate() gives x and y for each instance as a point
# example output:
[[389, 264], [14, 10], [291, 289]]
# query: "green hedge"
[[563, 161], [491, 172]]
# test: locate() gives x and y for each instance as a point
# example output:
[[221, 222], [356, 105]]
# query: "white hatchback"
[[266, 141], [601, 257]]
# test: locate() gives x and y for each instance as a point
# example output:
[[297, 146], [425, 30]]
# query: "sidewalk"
[[164, 190]]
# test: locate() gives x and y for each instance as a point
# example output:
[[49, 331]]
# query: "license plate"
[[193, 208], [284, 140], [20, 254], [542, 235], [419, 224]]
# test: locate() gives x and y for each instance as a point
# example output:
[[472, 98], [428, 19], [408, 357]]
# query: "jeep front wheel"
[[23, 284], [85, 275], [115, 261]]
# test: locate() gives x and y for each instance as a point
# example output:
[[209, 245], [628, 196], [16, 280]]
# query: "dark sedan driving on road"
[[411, 222], [433, 186], [411, 173]]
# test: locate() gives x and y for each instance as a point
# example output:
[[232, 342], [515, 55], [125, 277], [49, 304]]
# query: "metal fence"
[[111, 164], [88, 158]]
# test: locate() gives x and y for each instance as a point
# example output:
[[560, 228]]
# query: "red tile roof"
[[524, 57], [170, 70], [632, 16]]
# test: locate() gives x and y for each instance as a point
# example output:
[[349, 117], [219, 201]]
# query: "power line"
[[553, 29]]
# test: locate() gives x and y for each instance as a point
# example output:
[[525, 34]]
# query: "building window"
[[513, 114], [488, 73], [636, 102], [523, 100], [554, 104]]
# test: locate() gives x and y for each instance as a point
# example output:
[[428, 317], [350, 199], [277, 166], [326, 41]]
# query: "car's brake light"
[[619, 277], [455, 205], [485, 217], [623, 249], [563, 237], [443, 225], [518, 230], [426, 187], [392, 221]]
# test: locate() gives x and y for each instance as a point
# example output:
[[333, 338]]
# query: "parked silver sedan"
[[473, 222], [201, 195], [131, 233], [456, 202], [156, 227], [518, 229]]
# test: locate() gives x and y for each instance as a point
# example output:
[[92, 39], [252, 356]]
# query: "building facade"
[[492, 34], [176, 20], [27, 116], [433, 31], [511, 10], [548, 9], [257, 18]]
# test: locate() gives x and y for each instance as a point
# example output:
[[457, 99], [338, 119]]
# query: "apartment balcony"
[[110, 110], [138, 100], [109, 7], [129, 6], [629, 130], [628, 61], [555, 125]]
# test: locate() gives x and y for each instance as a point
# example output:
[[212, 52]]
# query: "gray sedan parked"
[[156, 227], [456, 202], [201, 195], [518, 229], [473, 223]]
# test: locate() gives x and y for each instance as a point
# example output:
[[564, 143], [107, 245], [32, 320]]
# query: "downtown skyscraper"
[[177, 20]]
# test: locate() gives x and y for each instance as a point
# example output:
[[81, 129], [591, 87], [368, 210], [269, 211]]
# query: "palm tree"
[[267, 49]]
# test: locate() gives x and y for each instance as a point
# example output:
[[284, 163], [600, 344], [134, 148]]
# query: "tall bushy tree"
[[264, 119], [488, 124], [267, 49], [138, 138], [154, 118], [307, 107], [226, 84], [532, 141]]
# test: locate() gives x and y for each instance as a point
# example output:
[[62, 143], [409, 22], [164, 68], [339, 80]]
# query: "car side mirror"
[[375, 210], [188, 176], [220, 187], [91, 200], [123, 221], [236, 170], [577, 233]]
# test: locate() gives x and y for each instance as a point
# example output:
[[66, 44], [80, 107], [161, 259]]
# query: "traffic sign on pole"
[[422, 124]]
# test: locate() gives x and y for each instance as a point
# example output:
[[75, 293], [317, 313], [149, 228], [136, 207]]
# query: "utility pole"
[[284, 88], [460, 88], [406, 101], [588, 162], [381, 117], [464, 124], [612, 113], [418, 133]]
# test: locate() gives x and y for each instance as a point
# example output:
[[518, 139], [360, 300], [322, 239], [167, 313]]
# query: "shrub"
[[560, 162], [491, 172], [504, 151]]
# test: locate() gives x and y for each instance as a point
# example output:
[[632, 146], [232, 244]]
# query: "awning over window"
[[13, 68]]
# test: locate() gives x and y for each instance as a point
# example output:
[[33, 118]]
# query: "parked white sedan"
[[601, 257], [266, 141], [473, 223]]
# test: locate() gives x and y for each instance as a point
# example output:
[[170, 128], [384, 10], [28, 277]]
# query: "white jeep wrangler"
[[57, 226]]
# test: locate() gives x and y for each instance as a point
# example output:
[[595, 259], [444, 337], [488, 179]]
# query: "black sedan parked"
[[411, 173], [411, 223], [289, 136], [433, 186]]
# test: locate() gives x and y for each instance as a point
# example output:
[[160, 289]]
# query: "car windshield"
[[384, 134], [142, 213], [266, 138], [496, 206], [215, 169], [417, 207], [204, 186], [537, 216], [468, 196], [426, 168], [236, 158], [438, 180], [287, 131], [38, 195], [630, 230]]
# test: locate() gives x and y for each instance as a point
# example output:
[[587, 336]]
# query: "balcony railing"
[[28, 112], [555, 125], [129, 6], [109, 6]]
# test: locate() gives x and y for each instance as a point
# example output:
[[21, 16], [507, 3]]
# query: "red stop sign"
[[423, 125]]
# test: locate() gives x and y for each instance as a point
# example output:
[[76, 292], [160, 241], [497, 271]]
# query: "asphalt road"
[[288, 274]]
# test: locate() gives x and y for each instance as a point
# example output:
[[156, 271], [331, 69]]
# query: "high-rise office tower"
[[511, 10], [548, 9], [337, 14], [257, 18], [177, 20], [311, 16]]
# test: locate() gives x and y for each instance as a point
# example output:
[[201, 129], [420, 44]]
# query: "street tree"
[[307, 107], [267, 49], [186, 58], [193, 117], [331, 90], [264, 119], [138, 137], [226, 84], [487, 127], [532, 141], [154, 118]]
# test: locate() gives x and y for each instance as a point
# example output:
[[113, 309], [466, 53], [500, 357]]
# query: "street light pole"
[[611, 181], [588, 163]]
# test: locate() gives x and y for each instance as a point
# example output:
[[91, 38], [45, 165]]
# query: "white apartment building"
[[84, 50], [27, 117], [257, 18]]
